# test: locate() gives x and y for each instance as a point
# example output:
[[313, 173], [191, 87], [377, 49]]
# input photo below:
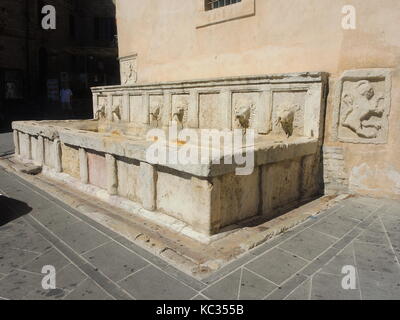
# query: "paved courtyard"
[[92, 262]]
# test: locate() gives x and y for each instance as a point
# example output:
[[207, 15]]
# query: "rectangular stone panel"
[[239, 197], [245, 103], [25, 145], [280, 185], [284, 102], [180, 108], [156, 110], [48, 158], [97, 169], [70, 161], [34, 146], [211, 115], [184, 198], [128, 170], [362, 106], [136, 109]]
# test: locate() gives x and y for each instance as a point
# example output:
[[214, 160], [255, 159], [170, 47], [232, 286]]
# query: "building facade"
[[34, 62], [356, 42]]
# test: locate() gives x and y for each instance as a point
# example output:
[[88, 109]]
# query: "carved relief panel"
[[362, 106], [156, 110], [244, 107], [180, 107], [128, 67], [287, 114], [116, 108], [101, 112]]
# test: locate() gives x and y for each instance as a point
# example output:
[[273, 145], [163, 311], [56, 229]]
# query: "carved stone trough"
[[106, 157]]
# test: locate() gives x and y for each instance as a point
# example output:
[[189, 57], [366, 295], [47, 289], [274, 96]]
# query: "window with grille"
[[214, 4]]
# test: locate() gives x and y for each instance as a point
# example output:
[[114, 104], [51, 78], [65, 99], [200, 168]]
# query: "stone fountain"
[[106, 157]]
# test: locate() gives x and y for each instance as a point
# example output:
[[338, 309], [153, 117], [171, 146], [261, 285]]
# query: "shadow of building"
[[12, 209]]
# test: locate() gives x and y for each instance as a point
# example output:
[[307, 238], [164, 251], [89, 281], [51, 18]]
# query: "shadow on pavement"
[[11, 209]]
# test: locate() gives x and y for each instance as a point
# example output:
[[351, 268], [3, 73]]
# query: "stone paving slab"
[[327, 286], [277, 265], [51, 257], [88, 290], [151, 284], [302, 292], [17, 284], [308, 244], [115, 261], [93, 262]]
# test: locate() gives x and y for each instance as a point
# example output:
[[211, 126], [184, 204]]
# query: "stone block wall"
[[335, 175]]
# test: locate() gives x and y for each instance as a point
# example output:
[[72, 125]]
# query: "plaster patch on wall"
[[365, 177]]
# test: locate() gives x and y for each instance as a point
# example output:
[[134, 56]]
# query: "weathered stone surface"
[[112, 175], [184, 197], [128, 178], [335, 175], [25, 146], [83, 166], [147, 189], [97, 170], [362, 106], [70, 161], [110, 152], [239, 199], [57, 155], [16, 142], [280, 186]]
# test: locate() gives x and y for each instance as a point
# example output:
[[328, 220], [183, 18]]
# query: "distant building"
[[80, 52]]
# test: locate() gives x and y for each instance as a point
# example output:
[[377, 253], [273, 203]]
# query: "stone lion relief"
[[363, 110], [128, 70], [116, 110], [285, 118], [156, 109], [101, 111], [244, 112], [180, 106]]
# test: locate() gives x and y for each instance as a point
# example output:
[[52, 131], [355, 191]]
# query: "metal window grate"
[[214, 4]]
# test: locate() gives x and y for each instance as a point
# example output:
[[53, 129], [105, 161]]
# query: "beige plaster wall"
[[281, 36]]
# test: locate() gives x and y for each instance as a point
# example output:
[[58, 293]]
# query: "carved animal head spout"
[[243, 116], [101, 112], [116, 111], [155, 114], [244, 109], [178, 114], [285, 118]]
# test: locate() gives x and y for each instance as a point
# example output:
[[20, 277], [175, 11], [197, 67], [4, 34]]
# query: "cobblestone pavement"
[[93, 262]]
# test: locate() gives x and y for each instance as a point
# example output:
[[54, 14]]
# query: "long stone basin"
[[198, 200]]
